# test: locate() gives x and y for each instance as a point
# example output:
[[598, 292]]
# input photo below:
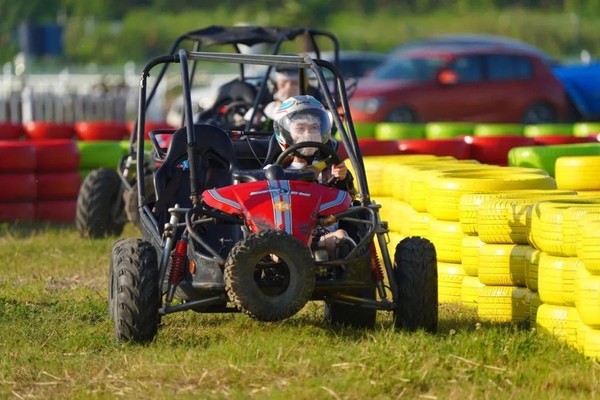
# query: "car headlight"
[[368, 105]]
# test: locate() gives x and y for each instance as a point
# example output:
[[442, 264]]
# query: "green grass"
[[56, 341]]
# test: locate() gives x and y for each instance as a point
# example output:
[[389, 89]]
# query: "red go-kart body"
[[289, 206]]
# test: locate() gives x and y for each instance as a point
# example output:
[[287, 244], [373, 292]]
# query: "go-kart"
[[223, 238], [107, 199]]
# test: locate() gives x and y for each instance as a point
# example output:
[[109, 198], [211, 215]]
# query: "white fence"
[[69, 97]]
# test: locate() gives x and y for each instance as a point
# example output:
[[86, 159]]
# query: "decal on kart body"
[[225, 200], [341, 197], [281, 194]]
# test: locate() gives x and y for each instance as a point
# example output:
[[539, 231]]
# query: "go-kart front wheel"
[[415, 270], [133, 291], [269, 275], [100, 209]]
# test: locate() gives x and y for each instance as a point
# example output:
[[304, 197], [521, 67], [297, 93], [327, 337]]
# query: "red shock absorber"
[[375, 264], [178, 262]]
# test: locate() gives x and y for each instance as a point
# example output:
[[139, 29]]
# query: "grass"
[[56, 341]]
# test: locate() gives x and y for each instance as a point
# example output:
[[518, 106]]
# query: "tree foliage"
[[114, 31]]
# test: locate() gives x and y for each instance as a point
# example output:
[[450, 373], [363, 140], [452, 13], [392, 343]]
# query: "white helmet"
[[302, 119]]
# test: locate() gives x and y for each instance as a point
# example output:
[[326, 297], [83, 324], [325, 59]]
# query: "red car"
[[476, 84]]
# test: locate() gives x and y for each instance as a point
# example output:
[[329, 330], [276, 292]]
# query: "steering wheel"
[[331, 157], [231, 114]]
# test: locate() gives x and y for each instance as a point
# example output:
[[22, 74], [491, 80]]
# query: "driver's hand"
[[339, 171]]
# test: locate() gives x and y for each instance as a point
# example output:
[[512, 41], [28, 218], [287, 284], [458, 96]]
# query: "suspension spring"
[[375, 264], [178, 262]]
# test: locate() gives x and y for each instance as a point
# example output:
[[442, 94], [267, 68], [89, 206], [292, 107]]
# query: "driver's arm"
[[339, 171], [344, 179]]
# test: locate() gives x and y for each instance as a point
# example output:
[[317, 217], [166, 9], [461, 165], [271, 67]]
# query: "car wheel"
[[402, 114], [269, 275], [539, 113], [133, 291]]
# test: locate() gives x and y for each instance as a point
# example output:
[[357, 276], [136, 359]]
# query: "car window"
[[504, 67], [357, 68], [417, 69], [468, 68]]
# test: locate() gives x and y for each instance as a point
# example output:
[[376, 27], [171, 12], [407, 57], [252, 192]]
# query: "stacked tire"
[[17, 180], [57, 179]]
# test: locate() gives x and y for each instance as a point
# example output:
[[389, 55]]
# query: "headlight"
[[368, 105]]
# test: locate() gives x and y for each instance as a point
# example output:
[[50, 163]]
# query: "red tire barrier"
[[16, 156], [62, 211], [21, 211], [455, 147], [57, 185], [101, 130], [374, 147], [37, 130], [10, 131], [494, 149], [550, 140], [55, 155], [17, 187]]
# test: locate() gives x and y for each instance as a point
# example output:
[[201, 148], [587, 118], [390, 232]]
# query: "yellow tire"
[[450, 278], [503, 304], [588, 244], [447, 238], [558, 321], [591, 347], [533, 298], [546, 220], [532, 260], [502, 264], [582, 331], [587, 297], [578, 172], [395, 212], [505, 220], [572, 218], [469, 254], [418, 225], [471, 285], [471, 202], [416, 183], [556, 279], [447, 189]]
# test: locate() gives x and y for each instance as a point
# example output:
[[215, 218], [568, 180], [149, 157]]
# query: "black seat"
[[229, 94], [215, 161], [236, 90]]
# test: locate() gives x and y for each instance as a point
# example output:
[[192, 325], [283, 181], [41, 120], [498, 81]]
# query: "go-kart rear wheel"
[[130, 198], [269, 275], [352, 315], [133, 292], [100, 210], [415, 270]]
